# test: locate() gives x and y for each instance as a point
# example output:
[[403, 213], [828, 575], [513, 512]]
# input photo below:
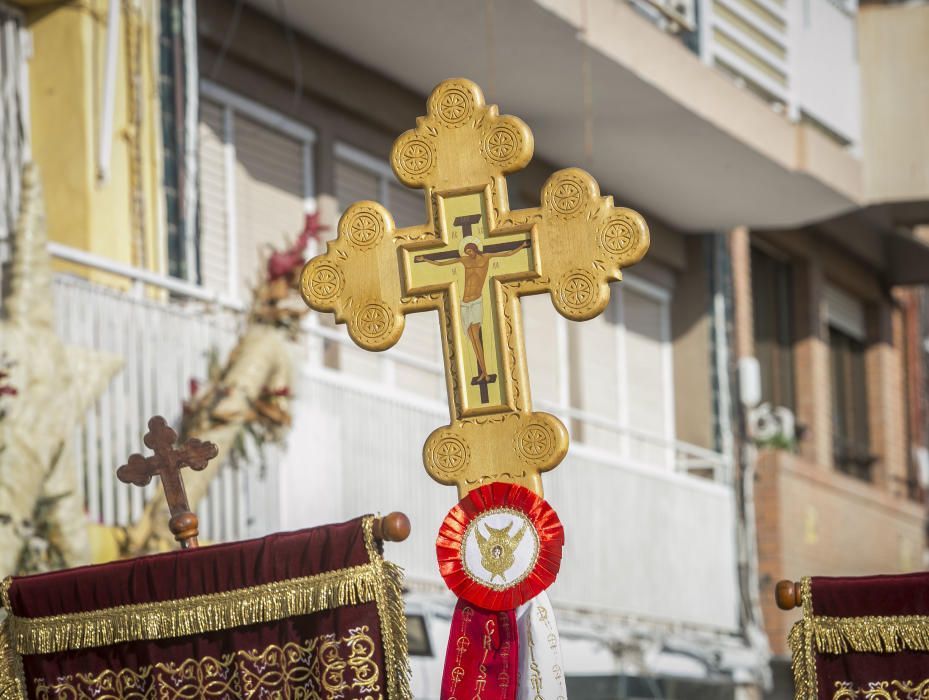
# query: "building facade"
[[749, 133]]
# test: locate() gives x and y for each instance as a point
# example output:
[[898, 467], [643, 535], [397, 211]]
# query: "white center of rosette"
[[500, 548]]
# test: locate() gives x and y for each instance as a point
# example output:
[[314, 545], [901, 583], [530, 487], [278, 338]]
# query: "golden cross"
[[471, 261]]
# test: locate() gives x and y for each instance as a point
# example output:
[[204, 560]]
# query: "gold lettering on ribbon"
[[461, 646], [489, 628], [535, 675]]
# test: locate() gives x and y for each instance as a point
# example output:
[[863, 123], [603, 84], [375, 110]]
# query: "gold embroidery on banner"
[[882, 690], [325, 666]]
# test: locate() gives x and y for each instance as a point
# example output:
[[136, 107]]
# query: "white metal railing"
[[166, 341], [140, 278], [641, 446], [632, 532], [799, 57], [163, 344]]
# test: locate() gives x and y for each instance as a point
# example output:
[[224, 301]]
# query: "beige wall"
[[894, 55]]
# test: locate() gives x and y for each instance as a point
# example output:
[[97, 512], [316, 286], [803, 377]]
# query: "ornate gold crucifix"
[[471, 261]]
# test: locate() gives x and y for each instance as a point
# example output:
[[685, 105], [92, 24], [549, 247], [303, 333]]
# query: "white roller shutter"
[[214, 253], [845, 312], [354, 183], [595, 347], [540, 329], [270, 195], [408, 207], [648, 374]]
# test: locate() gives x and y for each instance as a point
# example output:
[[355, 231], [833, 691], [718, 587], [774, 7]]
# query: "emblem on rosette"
[[500, 546]]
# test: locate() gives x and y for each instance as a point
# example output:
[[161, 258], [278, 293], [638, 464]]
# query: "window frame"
[[232, 104]]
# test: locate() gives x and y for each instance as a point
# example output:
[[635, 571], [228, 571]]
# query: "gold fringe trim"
[[880, 635], [196, 614], [841, 635], [800, 639], [12, 682], [392, 614]]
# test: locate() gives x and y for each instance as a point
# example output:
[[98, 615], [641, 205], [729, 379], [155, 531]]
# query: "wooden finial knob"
[[185, 527], [393, 527], [787, 595]]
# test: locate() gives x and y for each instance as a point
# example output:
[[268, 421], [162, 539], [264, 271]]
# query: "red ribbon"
[[481, 661]]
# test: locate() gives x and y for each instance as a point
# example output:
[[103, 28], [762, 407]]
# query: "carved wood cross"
[[471, 261], [167, 463]]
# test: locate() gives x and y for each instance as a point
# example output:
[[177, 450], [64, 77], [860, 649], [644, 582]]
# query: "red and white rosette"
[[500, 546]]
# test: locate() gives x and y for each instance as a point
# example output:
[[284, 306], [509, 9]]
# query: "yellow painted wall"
[[66, 87]]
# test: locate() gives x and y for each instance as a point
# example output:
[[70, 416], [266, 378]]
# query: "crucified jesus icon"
[[475, 258]]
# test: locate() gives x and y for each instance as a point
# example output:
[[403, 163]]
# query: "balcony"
[[669, 132], [639, 521]]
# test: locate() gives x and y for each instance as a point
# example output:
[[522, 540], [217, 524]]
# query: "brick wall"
[[811, 519]]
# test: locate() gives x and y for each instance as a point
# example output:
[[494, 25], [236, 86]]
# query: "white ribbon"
[[541, 668]]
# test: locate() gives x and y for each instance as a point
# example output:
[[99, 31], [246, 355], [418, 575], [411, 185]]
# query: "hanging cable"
[[294, 57], [227, 39], [491, 47], [587, 81]]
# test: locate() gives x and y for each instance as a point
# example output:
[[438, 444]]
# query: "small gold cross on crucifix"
[[167, 463], [471, 261]]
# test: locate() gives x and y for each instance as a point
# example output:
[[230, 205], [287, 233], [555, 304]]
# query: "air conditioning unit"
[[682, 13], [770, 425]]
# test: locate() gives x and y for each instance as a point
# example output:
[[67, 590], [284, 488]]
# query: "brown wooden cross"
[[167, 463]]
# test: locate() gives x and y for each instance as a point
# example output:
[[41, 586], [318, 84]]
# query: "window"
[[255, 187], [417, 636], [610, 376], [359, 175], [773, 313], [170, 86], [850, 431]]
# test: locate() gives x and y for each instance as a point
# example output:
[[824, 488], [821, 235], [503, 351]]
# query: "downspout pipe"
[[105, 144]]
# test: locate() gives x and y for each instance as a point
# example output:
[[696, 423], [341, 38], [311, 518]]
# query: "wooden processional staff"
[[471, 261]]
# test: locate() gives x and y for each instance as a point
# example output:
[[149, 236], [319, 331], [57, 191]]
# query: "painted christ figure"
[[476, 265]]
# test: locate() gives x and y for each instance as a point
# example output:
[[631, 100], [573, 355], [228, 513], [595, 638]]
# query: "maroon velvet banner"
[[865, 637], [290, 615]]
